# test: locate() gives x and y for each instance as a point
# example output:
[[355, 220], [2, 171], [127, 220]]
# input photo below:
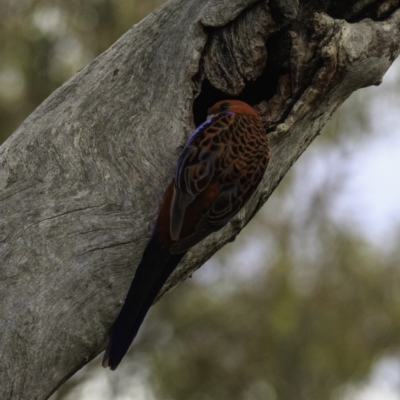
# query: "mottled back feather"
[[230, 149]]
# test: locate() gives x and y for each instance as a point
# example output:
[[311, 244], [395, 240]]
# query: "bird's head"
[[234, 106]]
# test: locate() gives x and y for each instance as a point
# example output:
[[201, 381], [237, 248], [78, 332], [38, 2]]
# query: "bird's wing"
[[237, 170], [196, 165]]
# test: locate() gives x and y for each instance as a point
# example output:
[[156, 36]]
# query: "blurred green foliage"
[[295, 309], [277, 338]]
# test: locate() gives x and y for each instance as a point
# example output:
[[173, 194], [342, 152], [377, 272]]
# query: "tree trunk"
[[82, 178]]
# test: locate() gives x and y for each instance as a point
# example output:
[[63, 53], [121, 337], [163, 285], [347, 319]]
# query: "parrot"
[[220, 167]]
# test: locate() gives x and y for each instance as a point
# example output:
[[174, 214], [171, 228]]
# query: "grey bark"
[[82, 178]]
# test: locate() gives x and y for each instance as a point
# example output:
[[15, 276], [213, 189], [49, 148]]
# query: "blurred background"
[[305, 304]]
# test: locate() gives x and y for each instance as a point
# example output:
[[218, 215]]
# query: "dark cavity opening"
[[254, 92]]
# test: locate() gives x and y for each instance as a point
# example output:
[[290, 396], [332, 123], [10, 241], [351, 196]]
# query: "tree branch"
[[82, 178]]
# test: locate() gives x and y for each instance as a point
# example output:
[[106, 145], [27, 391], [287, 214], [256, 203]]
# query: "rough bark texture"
[[82, 178]]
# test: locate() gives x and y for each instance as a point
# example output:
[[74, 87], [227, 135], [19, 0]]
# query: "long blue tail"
[[154, 269]]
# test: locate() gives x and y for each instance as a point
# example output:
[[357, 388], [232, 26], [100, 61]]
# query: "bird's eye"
[[224, 107]]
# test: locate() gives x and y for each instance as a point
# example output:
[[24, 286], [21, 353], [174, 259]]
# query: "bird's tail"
[[154, 269]]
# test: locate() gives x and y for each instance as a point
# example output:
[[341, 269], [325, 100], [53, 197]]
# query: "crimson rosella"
[[219, 169]]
